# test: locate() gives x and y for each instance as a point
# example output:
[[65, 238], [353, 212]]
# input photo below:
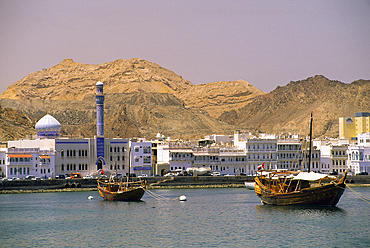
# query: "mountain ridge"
[[143, 98]]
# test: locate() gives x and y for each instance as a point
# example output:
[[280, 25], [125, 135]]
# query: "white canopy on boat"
[[309, 176]]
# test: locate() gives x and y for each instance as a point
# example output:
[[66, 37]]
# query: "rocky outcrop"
[[231, 95]]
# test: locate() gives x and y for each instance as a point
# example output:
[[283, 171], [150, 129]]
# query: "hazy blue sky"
[[267, 43]]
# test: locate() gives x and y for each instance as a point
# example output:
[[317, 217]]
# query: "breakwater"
[[152, 183]]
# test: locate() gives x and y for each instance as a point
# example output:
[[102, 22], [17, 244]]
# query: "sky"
[[265, 42]]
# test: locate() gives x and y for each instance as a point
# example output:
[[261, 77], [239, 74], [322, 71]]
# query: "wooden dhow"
[[114, 190], [283, 187]]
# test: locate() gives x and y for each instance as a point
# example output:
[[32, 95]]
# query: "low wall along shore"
[[152, 183]]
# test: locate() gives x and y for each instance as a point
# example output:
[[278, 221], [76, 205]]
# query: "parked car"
[[363, 173], [76, 176], [13, 179], [131, 175], [143, 175], [60, 177], [30, 177], [216, 173]]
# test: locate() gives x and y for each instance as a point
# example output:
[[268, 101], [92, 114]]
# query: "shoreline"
[[22, 191]]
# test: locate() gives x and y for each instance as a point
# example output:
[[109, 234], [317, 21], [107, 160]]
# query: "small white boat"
[[249, 185]]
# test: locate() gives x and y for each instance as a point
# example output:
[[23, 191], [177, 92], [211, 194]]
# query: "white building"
[[333, 155], [52, 157], [141, 157], [359, 154]]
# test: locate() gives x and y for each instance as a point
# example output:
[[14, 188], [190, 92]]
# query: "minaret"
[[99, 99]]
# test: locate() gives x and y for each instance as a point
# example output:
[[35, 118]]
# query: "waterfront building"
[[22, 162], [3, 164], [333, 155], [50, 155], [289, 154], [180, 155], [359, 154], [233, 160], [141, 157]]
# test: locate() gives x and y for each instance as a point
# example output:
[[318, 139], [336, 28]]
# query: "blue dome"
[[48, 126]]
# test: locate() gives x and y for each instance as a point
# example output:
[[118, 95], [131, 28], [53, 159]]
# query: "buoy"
[[90, 197], [182, 198]]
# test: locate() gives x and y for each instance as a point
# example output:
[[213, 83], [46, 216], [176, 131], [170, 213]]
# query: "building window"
[[146, 149], [147, 159], [62, 167]]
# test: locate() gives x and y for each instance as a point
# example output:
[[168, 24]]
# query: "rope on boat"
[[359, 195], [159, 197]]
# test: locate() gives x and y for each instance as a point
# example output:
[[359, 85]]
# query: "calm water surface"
[[231, 217]]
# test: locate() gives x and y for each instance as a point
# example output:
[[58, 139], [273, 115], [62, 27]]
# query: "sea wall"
[[152, 182]]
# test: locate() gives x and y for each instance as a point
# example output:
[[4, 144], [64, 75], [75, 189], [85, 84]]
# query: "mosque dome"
[[48, 126], [99, 83]]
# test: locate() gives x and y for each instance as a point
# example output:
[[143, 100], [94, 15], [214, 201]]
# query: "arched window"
[[62, 167]]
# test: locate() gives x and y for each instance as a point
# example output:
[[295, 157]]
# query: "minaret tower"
[[99, 99]]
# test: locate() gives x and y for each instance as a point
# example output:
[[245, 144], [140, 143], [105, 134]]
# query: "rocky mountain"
[[221, 97], [142, 99], [14, 124], [287, 109]]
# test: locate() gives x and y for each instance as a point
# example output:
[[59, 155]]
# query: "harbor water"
[[221, 217]]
